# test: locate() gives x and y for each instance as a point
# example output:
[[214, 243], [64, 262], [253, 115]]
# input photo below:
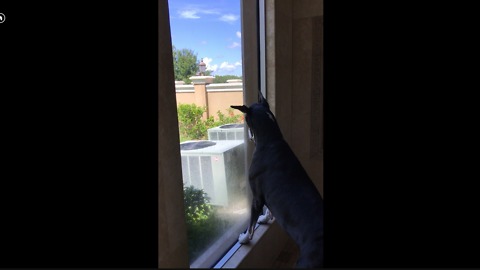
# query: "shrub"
[[224, 78], [202, 222], [228, 119], [191, 126], [190, 123]]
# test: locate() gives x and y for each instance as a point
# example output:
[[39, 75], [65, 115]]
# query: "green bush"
[[191, 126], [202, 222], [190, 123], [197, 207], [228, 119]]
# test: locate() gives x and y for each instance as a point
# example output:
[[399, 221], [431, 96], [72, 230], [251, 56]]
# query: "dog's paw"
[[243, 238], [263, 219]]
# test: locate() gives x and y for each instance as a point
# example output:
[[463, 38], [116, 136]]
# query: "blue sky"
[[212, 29]]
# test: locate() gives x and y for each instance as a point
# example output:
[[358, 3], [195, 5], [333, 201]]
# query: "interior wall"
[[294, 41], [294, 72], [172, 231]]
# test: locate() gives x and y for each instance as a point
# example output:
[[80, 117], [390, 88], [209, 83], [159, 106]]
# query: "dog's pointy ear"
[[261, 99], [242, 108]]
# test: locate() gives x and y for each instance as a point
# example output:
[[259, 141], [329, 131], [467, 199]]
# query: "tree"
[[185, 64], [224, 78]]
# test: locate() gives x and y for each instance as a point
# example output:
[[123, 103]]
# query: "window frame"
[[270, 239], [253, 40]]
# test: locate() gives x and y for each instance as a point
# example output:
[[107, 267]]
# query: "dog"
[[279, 182]]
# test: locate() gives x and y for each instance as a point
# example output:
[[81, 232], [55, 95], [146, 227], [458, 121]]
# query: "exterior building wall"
[[219, 96]]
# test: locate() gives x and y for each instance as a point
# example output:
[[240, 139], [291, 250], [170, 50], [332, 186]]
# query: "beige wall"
[[221, 101], [219, 96], [185, 98]]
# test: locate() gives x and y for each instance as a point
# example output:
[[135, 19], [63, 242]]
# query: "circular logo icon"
[[2, 17]]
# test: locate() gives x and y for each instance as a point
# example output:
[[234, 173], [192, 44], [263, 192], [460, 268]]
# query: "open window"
[[282, 46], [212, 135]]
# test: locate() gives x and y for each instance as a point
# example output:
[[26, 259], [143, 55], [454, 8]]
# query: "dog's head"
[[260, 120]]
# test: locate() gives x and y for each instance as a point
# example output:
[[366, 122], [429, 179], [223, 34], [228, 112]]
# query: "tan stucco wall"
[[221, 101], [185, 98], [219, 96]]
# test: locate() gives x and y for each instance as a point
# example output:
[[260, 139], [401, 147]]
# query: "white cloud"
[[197, 11], [193, 12], [234, 45], [189, 14], [229, 18], [203, 42], [213, 68], [210, 11], [239, 35], [225, 66], [207, 62]]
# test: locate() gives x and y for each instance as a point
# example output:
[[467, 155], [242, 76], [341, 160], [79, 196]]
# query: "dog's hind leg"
[[257, 208], [263, 219]]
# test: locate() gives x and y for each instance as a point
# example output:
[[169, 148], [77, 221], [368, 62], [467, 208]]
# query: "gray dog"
[[278, 180]]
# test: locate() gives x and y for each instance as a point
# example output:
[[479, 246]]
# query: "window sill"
[[267, 243], [210, 256]]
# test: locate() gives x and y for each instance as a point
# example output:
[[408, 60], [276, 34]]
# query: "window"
[[294, 57], [208, 74]]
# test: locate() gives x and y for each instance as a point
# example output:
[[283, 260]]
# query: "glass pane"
[[206, 39]]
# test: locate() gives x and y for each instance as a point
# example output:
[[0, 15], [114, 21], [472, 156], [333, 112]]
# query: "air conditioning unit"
[[226, 132], [217, 167]]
